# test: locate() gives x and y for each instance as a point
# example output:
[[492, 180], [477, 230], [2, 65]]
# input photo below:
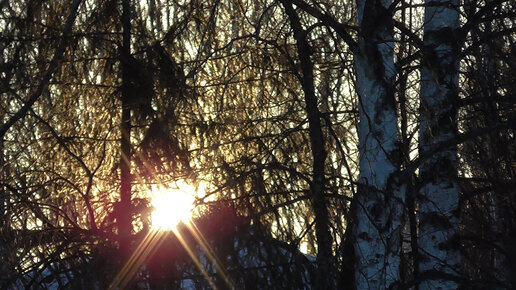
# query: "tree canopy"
[[332, 144]]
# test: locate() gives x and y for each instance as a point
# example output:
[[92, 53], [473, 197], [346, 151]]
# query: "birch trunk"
[[379, 208], [439, 195]]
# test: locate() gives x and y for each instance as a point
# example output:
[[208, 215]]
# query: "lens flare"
[[171, 206]]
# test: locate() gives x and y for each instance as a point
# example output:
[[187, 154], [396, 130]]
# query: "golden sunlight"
[[171, 205]]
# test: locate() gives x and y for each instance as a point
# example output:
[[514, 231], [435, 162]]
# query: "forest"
[[258, 144]]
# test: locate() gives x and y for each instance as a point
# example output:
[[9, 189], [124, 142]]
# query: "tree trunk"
[[124, 209], [325, 277], [379, 201], [3, 199], [439, 195]]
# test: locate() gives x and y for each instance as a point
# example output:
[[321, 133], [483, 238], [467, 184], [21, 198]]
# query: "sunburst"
[[171, 205]]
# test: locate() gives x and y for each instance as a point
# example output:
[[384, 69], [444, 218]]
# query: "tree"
[[375, 136], [439, 194], [325, 273], [380, 199], [485, 175]]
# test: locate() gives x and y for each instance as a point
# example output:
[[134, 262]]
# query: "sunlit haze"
[[171, 205]]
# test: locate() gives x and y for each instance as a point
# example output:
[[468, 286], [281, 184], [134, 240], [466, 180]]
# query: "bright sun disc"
[[171, 206]]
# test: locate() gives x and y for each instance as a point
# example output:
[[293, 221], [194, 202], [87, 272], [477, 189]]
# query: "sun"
[[171, 205]]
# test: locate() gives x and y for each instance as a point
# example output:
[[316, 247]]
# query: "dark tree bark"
[[3, 229], [325, 274], [124, 209]]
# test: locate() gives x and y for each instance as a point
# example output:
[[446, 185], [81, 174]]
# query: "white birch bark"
[[438, 205], [379, 209]]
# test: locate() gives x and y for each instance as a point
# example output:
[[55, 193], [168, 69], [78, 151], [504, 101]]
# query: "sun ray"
[[151, 241], [171, 207], [149, 250], [194, 259], [209, 252]]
